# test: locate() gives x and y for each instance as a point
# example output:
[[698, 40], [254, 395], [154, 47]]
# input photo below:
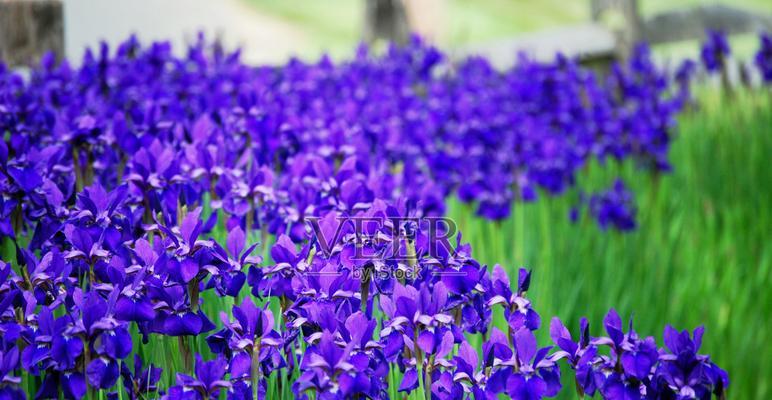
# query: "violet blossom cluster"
[[763, 59], [427, 128], [117, 175], [715, 52], [613, 207]]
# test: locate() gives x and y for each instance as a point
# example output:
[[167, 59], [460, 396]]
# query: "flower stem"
[[91, 275], [88, 177], [249, 217], [187, 356], [365, 290], [579, 389], [193, 291], [256, 369], [86, 361], [17, 219], [428, 379], [76, 168], [419, 356], [411, 258], [147, 216]]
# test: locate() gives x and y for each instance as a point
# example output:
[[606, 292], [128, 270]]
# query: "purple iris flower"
[[683, 76], [95, 340], [108, 339], [71, 385], [66, 343], [249, 342], [437, 343], [444, 388], [40, 277], [628, 371], [466, 372], [230, 276], [152, 168], [580, 354], [332, 371], [432, 348], [9, 384], [209, 160], [536, 376], [251, 193], [134, 304], [359, 330], [174, 315], [714, 51], [85, 246], [498, 362], [763, 57], [517, 309], [34, 193], [96, 206], [410, 309], [686, 373], [36, 355], [685, 72], [8, 212], [276, 280], [187, 249], [326, 282], [207, 383], [614, 207], [140, 382]]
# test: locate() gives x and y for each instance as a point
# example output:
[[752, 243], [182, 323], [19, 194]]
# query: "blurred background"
[[701, 254], [270, 31]]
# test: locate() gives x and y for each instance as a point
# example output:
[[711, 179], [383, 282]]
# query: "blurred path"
[[263, 39]]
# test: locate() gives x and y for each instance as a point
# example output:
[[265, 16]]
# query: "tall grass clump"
[[701, 253]]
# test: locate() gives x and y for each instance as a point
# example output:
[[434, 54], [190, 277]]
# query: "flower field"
[[188, 226]]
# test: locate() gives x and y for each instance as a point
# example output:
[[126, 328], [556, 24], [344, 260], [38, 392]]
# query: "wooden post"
[[386, 20], [631, 32], [632, 16], [29, 29]]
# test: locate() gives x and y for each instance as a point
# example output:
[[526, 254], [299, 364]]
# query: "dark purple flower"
[[410, 308], [614, 207], [9, 384], [230, 276], [763, 57], [174, 315], [324, 363], [714, 51], [580, 355], [134, 304], [537, 376], [517, 309], [207, 383], [686, 373], [140, 381], [250, 343], [276, 280]]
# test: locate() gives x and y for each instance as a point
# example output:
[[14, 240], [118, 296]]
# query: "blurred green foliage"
[[701, 254], [335, 26]]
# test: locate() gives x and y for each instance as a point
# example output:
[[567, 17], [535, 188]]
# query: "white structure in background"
[[262, 39]]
